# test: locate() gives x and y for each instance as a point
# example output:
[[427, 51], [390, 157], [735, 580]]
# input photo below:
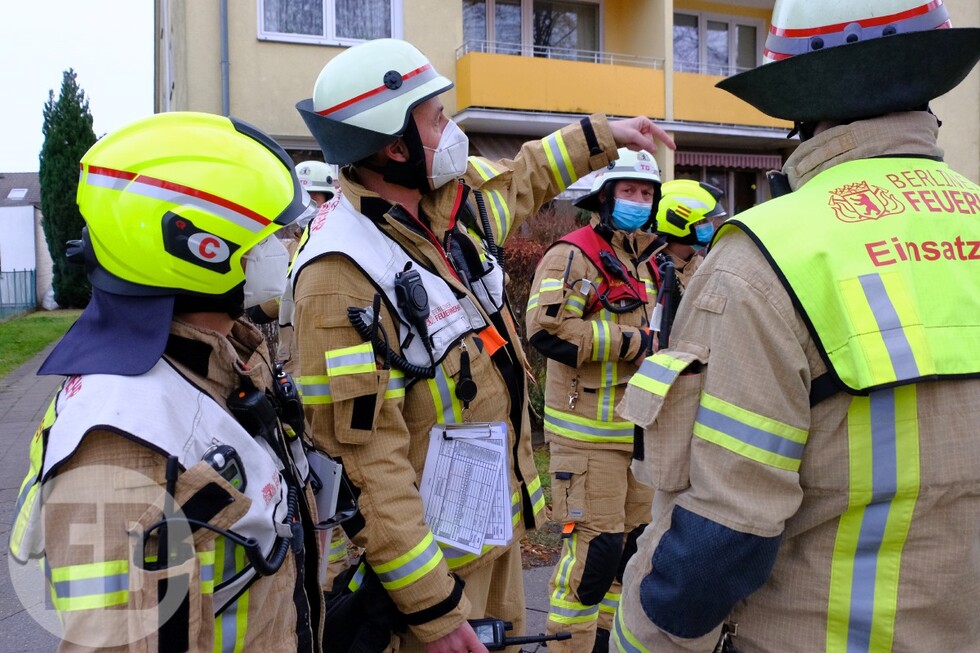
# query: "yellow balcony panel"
[[697, 99], [498, 81]]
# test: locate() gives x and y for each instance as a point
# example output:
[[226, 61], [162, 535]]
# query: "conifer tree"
[[68, 135]]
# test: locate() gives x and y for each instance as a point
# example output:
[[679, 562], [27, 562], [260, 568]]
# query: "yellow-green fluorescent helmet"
[[173, 201], [684, 204]]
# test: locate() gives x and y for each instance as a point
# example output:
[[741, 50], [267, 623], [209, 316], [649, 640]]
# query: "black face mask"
[[411, 173], [231, 302]]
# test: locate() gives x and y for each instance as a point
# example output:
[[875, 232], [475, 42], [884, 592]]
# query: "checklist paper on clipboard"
[[465, 485]]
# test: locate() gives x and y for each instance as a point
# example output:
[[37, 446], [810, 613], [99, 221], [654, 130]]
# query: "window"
[[340, 22], [715, 45], [17, 194], [543, 28]]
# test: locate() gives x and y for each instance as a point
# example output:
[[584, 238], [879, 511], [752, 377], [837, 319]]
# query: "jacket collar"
[[218, 363], [911, 133]]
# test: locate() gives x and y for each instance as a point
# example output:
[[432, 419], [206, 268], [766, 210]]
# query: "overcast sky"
[[109, 43]]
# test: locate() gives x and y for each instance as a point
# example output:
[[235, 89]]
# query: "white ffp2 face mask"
[[449, 157], [265, 271]]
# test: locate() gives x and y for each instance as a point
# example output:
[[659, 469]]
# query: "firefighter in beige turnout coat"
[[812, 430], [407, 207]]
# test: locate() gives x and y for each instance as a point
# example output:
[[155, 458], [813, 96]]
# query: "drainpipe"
[[225, 101]]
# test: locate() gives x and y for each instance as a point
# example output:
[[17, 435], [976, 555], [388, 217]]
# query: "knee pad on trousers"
[[601, 641], [601, 564], [629, 550]]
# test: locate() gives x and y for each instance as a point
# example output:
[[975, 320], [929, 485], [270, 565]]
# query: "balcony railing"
[[549, 52], [721, 70]]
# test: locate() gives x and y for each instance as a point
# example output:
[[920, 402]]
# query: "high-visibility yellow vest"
[[882, 260]]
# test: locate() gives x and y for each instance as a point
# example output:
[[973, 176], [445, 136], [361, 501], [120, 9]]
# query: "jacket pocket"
[[357, 390], [663, 398], [568, 478]]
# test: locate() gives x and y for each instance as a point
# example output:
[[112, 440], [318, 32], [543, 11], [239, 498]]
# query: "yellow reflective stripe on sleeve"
[[396, 385], [609, 602], [884, 468], [749, 434], [89, 586], [483, 168], [624, 640], [536, 493], [206, 561], [350, 360], [338, 546], [561, 163], [586, 430], [456, 558], [314, 390], [549, 285], [601, 340], [357, 578], [409, 567], [532, 302], [658, 373], [567, 612], [575, 305]]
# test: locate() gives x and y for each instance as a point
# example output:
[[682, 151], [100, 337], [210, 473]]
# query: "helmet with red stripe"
[[363, 98], [841, 60], [172, 203]]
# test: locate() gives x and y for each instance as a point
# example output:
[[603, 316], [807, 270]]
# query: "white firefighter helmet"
[[318, 177], [630, 165], [363, 97], [848, 59]]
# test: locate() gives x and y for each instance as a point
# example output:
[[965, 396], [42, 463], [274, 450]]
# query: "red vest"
[[616, 285]]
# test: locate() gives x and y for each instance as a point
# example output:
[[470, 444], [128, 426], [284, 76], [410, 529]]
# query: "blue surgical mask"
[[630, 216], [704, 232]]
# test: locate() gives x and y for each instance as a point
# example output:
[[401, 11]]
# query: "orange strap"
[[492, 340], [567, 529]]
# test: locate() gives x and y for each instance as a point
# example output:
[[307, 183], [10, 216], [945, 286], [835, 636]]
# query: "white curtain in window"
[[686, 44], [717, 46], [293, 16], [507, 26], [475, 24], [363, 19]]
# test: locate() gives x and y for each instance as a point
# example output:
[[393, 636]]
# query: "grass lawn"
[[540, 548], [22, 337]]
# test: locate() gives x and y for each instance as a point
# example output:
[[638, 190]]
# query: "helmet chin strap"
[[411, 173]]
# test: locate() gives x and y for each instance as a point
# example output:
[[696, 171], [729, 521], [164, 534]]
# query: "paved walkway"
[[24, 397]]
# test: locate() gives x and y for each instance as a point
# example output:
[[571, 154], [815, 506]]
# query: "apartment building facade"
[[522, 68]]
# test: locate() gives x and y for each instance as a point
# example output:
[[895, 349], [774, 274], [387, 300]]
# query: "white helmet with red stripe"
[[841, 60], [363, 98]]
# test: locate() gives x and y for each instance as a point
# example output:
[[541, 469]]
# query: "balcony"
[[515, 78], [555, 80], [697, 100]]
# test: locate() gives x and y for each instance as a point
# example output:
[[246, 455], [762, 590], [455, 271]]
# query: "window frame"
[[733, 22], [527, 46], [329, 37]]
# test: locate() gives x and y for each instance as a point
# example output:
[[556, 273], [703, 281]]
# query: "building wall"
[[17, 238], [960, 108]]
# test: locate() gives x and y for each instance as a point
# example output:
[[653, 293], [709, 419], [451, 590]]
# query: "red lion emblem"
[[862, 201]]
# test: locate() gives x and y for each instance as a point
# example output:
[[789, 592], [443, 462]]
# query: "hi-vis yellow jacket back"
[[846, 524], [887, 289]]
